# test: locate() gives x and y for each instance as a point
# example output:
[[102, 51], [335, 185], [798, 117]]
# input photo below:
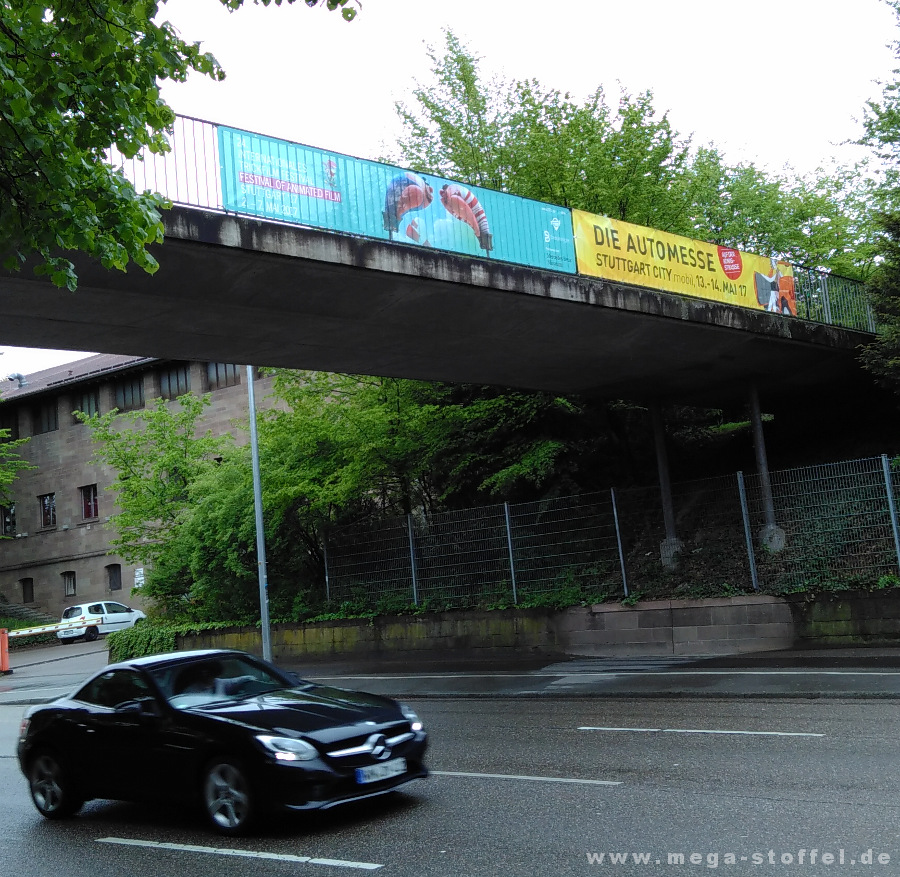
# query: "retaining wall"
[[661, 627]]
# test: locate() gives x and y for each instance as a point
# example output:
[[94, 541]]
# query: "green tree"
[[881, 133], [11, 463], [625, 159], [521, 138], [78, 77], [156, 455]]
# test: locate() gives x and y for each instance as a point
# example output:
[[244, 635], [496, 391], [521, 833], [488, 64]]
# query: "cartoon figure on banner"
[[330, 168], [406, 193], [775, 291], [462, 204]]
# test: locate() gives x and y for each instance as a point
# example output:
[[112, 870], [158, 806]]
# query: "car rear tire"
[[52, 791], [91, 634], [228, 797]]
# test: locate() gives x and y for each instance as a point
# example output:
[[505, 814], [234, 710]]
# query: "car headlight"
[[288, 748], [415, 723]]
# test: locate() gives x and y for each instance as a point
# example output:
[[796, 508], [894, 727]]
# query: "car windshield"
[[215, 679]]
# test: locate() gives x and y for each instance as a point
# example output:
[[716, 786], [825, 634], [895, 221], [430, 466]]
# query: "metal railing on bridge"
[[190, 175]]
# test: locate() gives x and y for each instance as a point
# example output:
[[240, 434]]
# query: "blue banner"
[[276, 179]]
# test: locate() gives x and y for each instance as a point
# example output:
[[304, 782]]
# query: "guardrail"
[[191, 175]]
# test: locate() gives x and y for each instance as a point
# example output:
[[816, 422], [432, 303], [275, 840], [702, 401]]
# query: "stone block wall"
[[664, 627]]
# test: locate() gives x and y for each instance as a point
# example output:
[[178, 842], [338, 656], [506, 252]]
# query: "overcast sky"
[[776, 82]]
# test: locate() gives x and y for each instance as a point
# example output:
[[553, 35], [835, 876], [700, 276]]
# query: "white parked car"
[[102, 617]]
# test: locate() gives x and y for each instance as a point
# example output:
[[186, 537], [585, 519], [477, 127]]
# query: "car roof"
[[157, 661]]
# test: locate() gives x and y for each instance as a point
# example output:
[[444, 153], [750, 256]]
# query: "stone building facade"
[[56, 546]]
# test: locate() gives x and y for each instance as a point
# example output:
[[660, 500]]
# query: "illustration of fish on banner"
[[462, 204], [405, 193]]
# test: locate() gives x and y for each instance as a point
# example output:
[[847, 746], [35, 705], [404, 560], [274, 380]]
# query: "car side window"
[[117, 609], [114, 688], [96, 609]]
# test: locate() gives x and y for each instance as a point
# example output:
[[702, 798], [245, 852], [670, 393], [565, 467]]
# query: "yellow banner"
[[620, 251]]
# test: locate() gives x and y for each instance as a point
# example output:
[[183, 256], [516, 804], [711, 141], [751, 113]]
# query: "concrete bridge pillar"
[[671, 545], [771, 537]]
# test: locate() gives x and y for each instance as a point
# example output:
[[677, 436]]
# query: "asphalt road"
[[537, 786]]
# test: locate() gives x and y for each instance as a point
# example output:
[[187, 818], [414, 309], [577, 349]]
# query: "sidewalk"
[[43, 673], [844, 673]]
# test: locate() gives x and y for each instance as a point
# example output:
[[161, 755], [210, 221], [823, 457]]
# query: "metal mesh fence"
[[836, 522], [708, 524], [463, 557], [566, 542], [369, 564], [838, 301], [835, 525]]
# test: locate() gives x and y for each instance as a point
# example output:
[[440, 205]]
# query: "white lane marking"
[[246, 854], [705, 731], [513, 776], [635, 730]]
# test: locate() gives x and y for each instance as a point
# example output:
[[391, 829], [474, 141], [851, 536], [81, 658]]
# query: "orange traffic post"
[[4, 651]]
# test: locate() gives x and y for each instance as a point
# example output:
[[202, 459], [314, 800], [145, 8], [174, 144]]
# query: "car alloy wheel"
[[51, 790], [227, 797]]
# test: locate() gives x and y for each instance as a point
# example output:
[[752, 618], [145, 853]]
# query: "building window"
[[8, 520], [88, 402], [27, 590], [47, 504], [9, 420], [175, 381], [114, 577], [44, 418], [69, 583], [130, 394], [221, 374], [90, 506]]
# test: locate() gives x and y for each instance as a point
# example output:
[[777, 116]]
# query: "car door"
[[116, 616], [96, 616], [119, 730]]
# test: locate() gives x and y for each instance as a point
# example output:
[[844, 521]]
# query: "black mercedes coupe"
[[221, 727]]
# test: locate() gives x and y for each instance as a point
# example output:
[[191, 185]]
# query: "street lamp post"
[[260, 533]]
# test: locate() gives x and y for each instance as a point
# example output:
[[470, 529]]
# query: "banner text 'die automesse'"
[[616, 250]]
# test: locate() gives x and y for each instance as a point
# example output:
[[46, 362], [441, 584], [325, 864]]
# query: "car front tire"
[[52, 791], [228, 798]]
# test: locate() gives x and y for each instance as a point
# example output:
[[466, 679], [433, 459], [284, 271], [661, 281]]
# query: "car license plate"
[[375, 772]]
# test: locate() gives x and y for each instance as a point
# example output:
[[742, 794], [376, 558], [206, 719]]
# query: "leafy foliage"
[[78, 77], [622, 158], [10, 463], [157, 456], [882, 134]]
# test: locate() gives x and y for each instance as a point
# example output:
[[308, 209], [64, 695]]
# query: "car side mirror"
[[144, 707]]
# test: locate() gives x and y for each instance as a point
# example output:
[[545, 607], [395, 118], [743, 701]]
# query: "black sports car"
[[222, 727]]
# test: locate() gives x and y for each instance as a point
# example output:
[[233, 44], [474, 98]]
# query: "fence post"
[[612, 495], [412, 559], [512, 561], [325, 558], [748, 535], [888, 484], [826, 301]]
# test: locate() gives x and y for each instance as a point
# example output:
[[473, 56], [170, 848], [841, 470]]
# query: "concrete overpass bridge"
[[238, 289], [234, 288]]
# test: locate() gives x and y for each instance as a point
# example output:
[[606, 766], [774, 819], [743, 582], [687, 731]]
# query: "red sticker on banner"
[[730, 260]]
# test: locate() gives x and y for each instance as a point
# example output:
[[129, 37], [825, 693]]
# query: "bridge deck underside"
[[233, 289]]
